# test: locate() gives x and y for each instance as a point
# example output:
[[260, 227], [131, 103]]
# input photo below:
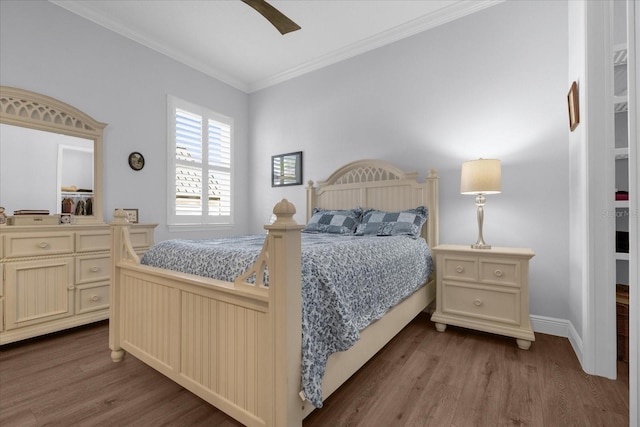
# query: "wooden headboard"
[[377, 184]]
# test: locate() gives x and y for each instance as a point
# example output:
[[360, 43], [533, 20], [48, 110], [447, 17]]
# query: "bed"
[[237, 344]]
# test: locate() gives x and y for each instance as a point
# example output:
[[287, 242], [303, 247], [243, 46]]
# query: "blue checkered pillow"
[[379, 223], [333, 221]]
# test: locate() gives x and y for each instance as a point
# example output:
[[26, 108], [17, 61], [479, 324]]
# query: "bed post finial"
[[284, 211], [120, 217]]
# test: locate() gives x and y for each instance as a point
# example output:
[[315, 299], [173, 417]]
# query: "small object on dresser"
[[66, 218], [3, 216], [31, 212], [33, 220]]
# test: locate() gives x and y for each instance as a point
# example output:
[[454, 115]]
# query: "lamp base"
[[480, 246]]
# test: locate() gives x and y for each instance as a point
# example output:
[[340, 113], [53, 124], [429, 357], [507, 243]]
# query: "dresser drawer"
[[141, 238], [482, 302], [92, 298], [93, 241], [93, 268], [502, 272], [460, 268], [27, 244]]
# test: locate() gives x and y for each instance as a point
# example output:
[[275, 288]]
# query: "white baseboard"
[[561, 328]]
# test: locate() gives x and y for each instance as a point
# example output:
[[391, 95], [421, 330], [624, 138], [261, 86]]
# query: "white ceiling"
[[231, 42]]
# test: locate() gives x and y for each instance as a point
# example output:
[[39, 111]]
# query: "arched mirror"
[[50, 157]]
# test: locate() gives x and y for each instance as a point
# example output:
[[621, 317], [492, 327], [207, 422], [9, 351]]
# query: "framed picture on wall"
[[286, 169], [574, 108]]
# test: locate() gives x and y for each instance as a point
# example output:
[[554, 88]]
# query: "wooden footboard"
[[229, 343]]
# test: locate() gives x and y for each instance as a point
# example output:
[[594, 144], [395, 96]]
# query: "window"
[[200, 166]]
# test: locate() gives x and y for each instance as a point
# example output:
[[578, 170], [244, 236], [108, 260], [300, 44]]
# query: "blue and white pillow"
[[379, 223], [334, 221]]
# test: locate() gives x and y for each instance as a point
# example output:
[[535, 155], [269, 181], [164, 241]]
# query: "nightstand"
[[484, 289]]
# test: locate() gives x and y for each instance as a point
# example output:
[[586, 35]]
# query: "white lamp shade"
[[482, 176]]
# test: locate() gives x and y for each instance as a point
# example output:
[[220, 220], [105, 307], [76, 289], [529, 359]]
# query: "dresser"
[[57, 277], [485, 290]]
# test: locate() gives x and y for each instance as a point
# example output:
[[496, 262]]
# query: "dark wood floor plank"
[[520, 396], [421, 378]]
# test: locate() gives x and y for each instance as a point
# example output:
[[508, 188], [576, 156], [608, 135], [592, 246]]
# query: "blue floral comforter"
[[347, 283]]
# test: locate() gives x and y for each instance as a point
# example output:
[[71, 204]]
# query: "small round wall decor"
[[136, 161]]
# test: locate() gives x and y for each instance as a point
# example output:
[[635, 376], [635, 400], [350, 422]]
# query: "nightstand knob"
[[459, 269], [498, 273], [94, 298], [478, 302]]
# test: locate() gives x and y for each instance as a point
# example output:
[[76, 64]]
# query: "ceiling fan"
[[273, 15]]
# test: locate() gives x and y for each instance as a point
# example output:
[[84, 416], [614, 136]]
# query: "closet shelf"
[[621, 153], [76, 194], [620, 54], [620, 104], [622, 256], [621, 204]]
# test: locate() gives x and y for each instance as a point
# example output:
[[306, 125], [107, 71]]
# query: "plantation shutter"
[[203, 192]]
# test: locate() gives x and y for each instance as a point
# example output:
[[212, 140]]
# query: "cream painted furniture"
[[484, 289], [54, 276], [57, 277], [238, 345]]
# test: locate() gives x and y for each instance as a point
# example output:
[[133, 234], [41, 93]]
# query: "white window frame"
[[203, 221]]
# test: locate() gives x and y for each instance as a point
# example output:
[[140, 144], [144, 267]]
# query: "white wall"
[[490, 85], [49, 50]]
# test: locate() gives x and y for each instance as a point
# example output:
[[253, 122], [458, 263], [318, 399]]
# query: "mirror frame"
[[28, 109]]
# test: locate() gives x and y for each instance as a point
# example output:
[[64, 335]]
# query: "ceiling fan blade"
[[273, 15]]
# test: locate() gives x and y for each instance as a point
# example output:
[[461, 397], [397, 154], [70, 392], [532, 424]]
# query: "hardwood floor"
[[421, 378]]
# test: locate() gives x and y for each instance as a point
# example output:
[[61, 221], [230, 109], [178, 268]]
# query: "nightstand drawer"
[[482, 302], [500, 272], [460, 268]]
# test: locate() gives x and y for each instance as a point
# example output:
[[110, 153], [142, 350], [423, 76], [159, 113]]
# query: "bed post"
[[433, 231], [121, 250], [119, 223], [311, 199], [285, 315]]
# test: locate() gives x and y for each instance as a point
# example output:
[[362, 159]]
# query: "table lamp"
[[480, 177]]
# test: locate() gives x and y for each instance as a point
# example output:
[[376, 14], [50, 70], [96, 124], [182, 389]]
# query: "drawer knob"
[[478, 302], [43, 245], [94, 269], [459, 269], [94, 298], [498, 273]]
